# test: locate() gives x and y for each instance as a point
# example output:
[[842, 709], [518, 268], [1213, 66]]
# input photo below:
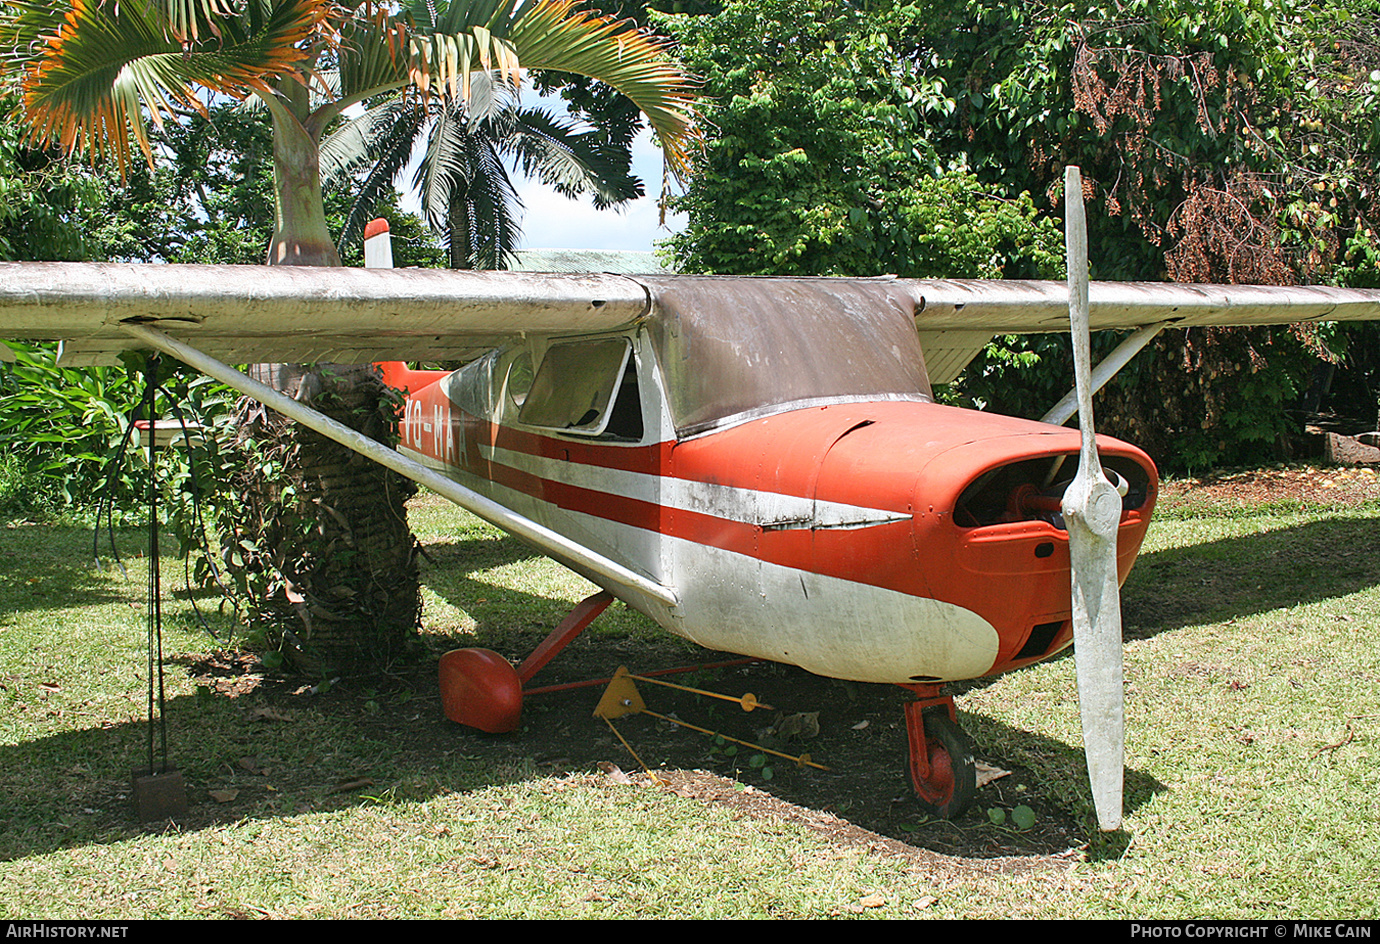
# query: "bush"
[[62, 430]]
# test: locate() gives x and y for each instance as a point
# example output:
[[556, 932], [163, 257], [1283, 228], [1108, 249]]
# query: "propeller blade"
[[1092, 511]]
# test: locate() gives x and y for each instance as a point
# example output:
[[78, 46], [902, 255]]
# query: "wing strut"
[[1105, 370], [556, 545], [1092, 512]]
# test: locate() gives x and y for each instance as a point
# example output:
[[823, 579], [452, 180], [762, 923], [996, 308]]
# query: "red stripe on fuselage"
[[648, 460], [732, 462]]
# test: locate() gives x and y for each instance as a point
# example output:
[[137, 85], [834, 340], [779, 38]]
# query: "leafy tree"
[[1198, 125], [43, 200], [820, 164], [208, 198], [1226, 141], [205, 196]]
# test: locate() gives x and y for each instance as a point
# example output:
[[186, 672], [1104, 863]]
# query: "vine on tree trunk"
[[323, 558]]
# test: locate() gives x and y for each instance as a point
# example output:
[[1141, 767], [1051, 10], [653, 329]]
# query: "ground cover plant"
[[1252, 669]]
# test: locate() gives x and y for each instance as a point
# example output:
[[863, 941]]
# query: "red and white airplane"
[[756, 464]]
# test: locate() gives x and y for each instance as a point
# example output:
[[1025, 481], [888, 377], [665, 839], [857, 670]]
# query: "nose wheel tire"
[[942, 768]]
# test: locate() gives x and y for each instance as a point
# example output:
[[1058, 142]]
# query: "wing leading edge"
[[957, 318], [1015, 307]]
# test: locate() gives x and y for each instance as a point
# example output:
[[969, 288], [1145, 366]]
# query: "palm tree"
[[467, 194], [89, 69]]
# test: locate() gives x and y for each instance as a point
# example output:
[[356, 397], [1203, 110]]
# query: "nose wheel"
[[942, 768]]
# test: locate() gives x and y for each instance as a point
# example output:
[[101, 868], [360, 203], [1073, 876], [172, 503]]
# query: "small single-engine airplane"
[[756, 464]]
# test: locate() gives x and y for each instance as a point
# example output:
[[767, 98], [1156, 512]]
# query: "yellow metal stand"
[[622, 698]]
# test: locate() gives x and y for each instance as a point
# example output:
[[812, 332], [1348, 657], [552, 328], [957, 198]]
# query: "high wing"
[[242, 314], [286, 314], [958, 317], [207, 316]]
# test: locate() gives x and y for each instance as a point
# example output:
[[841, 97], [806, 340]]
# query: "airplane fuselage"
[[876, 540]]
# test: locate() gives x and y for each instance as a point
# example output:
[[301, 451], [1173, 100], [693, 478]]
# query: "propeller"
[[1092, 511]]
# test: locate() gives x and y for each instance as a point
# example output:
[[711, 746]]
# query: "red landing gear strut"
[[481, 689], [942, 769]]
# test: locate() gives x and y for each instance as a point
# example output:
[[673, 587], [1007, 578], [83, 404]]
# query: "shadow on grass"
[[504, 617], [514, 621], [1242, 576], [276, 752], [475, 554], [263, 755], [52, 566], [48, 566]]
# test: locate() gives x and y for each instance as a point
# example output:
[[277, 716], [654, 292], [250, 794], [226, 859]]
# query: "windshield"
[[734, 349]]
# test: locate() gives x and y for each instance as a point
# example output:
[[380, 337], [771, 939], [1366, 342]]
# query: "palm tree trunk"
[[328, 555], [300, 236], [325, 553]]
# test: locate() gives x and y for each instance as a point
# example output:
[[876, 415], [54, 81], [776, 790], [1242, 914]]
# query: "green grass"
[[1253, 694]]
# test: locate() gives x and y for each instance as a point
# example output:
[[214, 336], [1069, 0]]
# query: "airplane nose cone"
[[989, 516]]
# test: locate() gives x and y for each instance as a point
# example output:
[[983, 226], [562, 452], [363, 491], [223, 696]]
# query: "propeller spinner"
[[1092, 511]]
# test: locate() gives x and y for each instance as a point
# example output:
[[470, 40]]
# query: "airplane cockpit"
[[771, 345], [719, 361]]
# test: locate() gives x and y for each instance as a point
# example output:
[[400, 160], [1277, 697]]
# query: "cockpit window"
[[520, 378], [574, 388]]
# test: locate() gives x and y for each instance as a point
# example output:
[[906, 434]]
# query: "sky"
[[552, 221]]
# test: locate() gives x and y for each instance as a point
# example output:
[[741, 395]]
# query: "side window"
[[576, 387], [625, 419], [520, 378]]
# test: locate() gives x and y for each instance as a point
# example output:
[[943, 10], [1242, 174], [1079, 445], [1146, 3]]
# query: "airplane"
[[756, 464]]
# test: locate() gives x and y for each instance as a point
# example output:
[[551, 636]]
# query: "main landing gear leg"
[[481, 689], [942, 769]]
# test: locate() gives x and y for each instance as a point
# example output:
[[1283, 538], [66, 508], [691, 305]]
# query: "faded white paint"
[[738, 603]]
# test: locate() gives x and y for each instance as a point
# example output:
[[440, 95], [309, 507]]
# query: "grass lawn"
[[1253, 695]]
